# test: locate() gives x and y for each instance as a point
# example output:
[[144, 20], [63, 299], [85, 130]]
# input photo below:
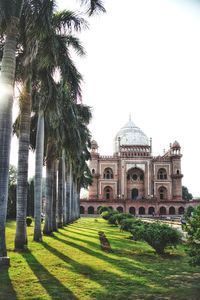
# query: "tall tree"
[[10, 12]]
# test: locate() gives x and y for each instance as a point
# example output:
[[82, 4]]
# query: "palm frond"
[[67, 20], [94, 6]]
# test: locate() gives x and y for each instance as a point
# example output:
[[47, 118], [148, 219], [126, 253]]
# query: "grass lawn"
[[71, 265]]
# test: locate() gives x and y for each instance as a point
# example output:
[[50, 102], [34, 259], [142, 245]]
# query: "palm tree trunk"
[[38, 177], [70, 194], [64, 189], [22, 175], [60, 193], [55, 202], [49, 195], [6, 102], [67, 196]]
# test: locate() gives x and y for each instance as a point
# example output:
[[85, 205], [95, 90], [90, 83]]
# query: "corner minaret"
[[94, 168], [176, 175]]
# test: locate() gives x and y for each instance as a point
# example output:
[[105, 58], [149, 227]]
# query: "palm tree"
[[54, 24], [10, 12], [38, 176]]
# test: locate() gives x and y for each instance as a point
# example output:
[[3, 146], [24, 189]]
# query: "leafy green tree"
[[186, 194], [188, 213], [194, 237]]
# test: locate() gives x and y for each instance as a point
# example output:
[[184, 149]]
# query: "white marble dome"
[[130, 135]]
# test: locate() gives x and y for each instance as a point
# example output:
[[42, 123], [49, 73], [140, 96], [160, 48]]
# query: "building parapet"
[[109, 157], [161, 158]]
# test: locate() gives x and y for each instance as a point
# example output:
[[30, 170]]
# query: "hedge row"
[[158, 236]]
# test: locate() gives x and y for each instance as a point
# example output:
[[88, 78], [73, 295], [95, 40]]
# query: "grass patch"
[[71, 265]]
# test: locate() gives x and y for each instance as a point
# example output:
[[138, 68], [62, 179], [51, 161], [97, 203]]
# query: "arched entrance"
[[132, 210], [120, 209], [90, 210], [82, 210], [163, 210], [141, 211], [151, 210], [172, 210], [162, 192], [181, 210], [108, 193], [134, 194], [135, 184]]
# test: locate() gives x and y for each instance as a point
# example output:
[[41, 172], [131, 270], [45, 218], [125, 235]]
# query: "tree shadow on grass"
[[6, 288], [114, 285], [127, 267], [54, 288], [78, 232], [93, 244]]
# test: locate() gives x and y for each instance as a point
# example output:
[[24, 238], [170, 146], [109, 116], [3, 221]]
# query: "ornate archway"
[[135, 183]]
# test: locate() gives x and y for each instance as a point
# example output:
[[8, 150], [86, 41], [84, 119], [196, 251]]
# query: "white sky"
[[143, 58]]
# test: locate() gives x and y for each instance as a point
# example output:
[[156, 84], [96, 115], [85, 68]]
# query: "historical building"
[[132, 180]]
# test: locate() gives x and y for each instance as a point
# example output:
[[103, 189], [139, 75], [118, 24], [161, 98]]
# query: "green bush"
[[194, 237], [122, 216], [28, 221], [106, 215], [129, 223], [126, 224], [188, 213], [137, 230], [159, 236], [113, 219], [102, 209]]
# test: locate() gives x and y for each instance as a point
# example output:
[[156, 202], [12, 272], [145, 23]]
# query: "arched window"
[[120, 209], [134, 194], [141, 211], [90, 210], [181, 210], [177, 172], [82, 210], [142, 177], [108, 173], [172, 210], [163, 210], [151, 210], [162, 174], [162, 193], [93, 171], [132, 210], [108, 193], [134, 176]]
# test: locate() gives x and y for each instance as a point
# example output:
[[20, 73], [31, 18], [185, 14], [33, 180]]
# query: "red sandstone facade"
[[134, 181]]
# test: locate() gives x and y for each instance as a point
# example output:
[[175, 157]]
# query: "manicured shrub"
[[28, 221], [113, 219], [137, 230], [129, 223], [123, 216], [107, 214], [159, 236], [126, 224], [102, 209]]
